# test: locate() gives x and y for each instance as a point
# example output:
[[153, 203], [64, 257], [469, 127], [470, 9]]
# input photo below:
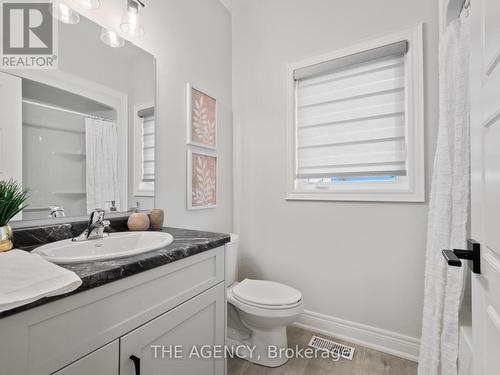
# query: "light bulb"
[[64, 13], [89, 4], [131, 23], [111, 38]]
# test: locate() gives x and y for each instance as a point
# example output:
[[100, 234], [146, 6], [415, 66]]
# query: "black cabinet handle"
[[473, 254], [137, 364]]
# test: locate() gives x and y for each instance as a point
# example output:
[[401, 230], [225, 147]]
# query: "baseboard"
[[374, 338]]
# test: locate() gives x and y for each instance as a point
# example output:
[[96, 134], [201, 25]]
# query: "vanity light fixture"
[[64, 13], [89, 4], [111, 38], [131, 23]]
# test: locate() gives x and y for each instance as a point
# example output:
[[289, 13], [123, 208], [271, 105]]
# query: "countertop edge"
[[183, 247]]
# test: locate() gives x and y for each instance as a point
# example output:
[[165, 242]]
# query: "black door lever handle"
[[473, 253], [451, 258]]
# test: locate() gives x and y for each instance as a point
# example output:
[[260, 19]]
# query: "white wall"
[[362, 262], [191, 40]]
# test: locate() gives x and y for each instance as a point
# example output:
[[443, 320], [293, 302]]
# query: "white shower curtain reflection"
[[101, 140]]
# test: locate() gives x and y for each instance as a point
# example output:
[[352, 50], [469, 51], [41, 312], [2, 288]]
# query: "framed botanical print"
[[201, 118], [201, 179]]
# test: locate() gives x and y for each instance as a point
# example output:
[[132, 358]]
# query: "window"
[[148, 149], [356, 123], [144, 154]]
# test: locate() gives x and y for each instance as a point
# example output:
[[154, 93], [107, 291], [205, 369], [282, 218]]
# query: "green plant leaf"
[[12, 199]]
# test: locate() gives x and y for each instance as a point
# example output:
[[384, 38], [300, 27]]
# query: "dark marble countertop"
[[186, 243]]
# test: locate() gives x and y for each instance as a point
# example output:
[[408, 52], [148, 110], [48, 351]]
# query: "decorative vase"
[[6, 238], [138, 221], [157, 217]]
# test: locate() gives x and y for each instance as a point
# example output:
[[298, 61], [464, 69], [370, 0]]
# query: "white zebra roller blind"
[[350, 115], [148, 149]]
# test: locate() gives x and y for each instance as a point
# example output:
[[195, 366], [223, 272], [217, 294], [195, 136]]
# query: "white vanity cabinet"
[[176, 342], [97, 331], [103, 361]]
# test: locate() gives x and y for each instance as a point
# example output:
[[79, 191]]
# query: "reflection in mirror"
[[82, 136]]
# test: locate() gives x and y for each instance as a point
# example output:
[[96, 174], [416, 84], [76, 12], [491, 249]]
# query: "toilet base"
[[270, 346], [265, 347]]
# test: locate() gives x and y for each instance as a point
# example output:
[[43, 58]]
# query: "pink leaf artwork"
[[203, 180], [203, 119]]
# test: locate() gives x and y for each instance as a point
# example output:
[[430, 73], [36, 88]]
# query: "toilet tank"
[[232, 260]]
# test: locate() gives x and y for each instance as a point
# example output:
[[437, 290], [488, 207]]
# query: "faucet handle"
[[96, 215], [56, 211], [105, 224]]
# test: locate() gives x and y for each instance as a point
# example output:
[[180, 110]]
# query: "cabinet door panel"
[[103, 361], [196, 323]]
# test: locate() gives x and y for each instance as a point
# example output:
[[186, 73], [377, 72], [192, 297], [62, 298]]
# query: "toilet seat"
[[266, 295], [265, 311], [265, 307]]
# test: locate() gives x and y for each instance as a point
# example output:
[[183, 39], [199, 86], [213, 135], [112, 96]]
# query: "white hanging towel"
[[448, 208], [26, 277], [101, 143]]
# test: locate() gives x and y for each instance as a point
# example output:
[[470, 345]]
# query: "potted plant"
[[12, 201]]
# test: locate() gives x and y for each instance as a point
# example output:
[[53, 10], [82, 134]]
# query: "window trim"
[[414, 191], [141, 188]]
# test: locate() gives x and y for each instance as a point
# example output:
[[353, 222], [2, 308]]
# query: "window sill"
[[411, 197], [145, 194], [145, 189]]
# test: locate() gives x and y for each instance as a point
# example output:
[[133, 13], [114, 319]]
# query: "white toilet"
[[258, 312]]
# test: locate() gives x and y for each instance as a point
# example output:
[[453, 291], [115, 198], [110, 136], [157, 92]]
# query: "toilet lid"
[[266, 293]]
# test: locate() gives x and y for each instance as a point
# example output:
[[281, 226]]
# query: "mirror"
[[81, 136]]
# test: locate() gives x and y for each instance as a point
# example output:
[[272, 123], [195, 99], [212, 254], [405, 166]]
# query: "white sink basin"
[[117, 245]]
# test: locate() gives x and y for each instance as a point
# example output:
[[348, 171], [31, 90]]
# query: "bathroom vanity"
[[128, 316]]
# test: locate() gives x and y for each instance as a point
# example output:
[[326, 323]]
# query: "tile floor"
[[365, 362]]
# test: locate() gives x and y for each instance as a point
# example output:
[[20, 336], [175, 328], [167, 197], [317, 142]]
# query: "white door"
[[177, 341], [485, 169], [11, 121]]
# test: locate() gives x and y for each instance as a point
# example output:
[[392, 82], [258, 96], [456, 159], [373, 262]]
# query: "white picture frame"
[[204, 196], [207, 136]]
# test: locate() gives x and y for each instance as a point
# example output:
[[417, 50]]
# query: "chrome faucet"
[[95, 227], [56, 211]]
